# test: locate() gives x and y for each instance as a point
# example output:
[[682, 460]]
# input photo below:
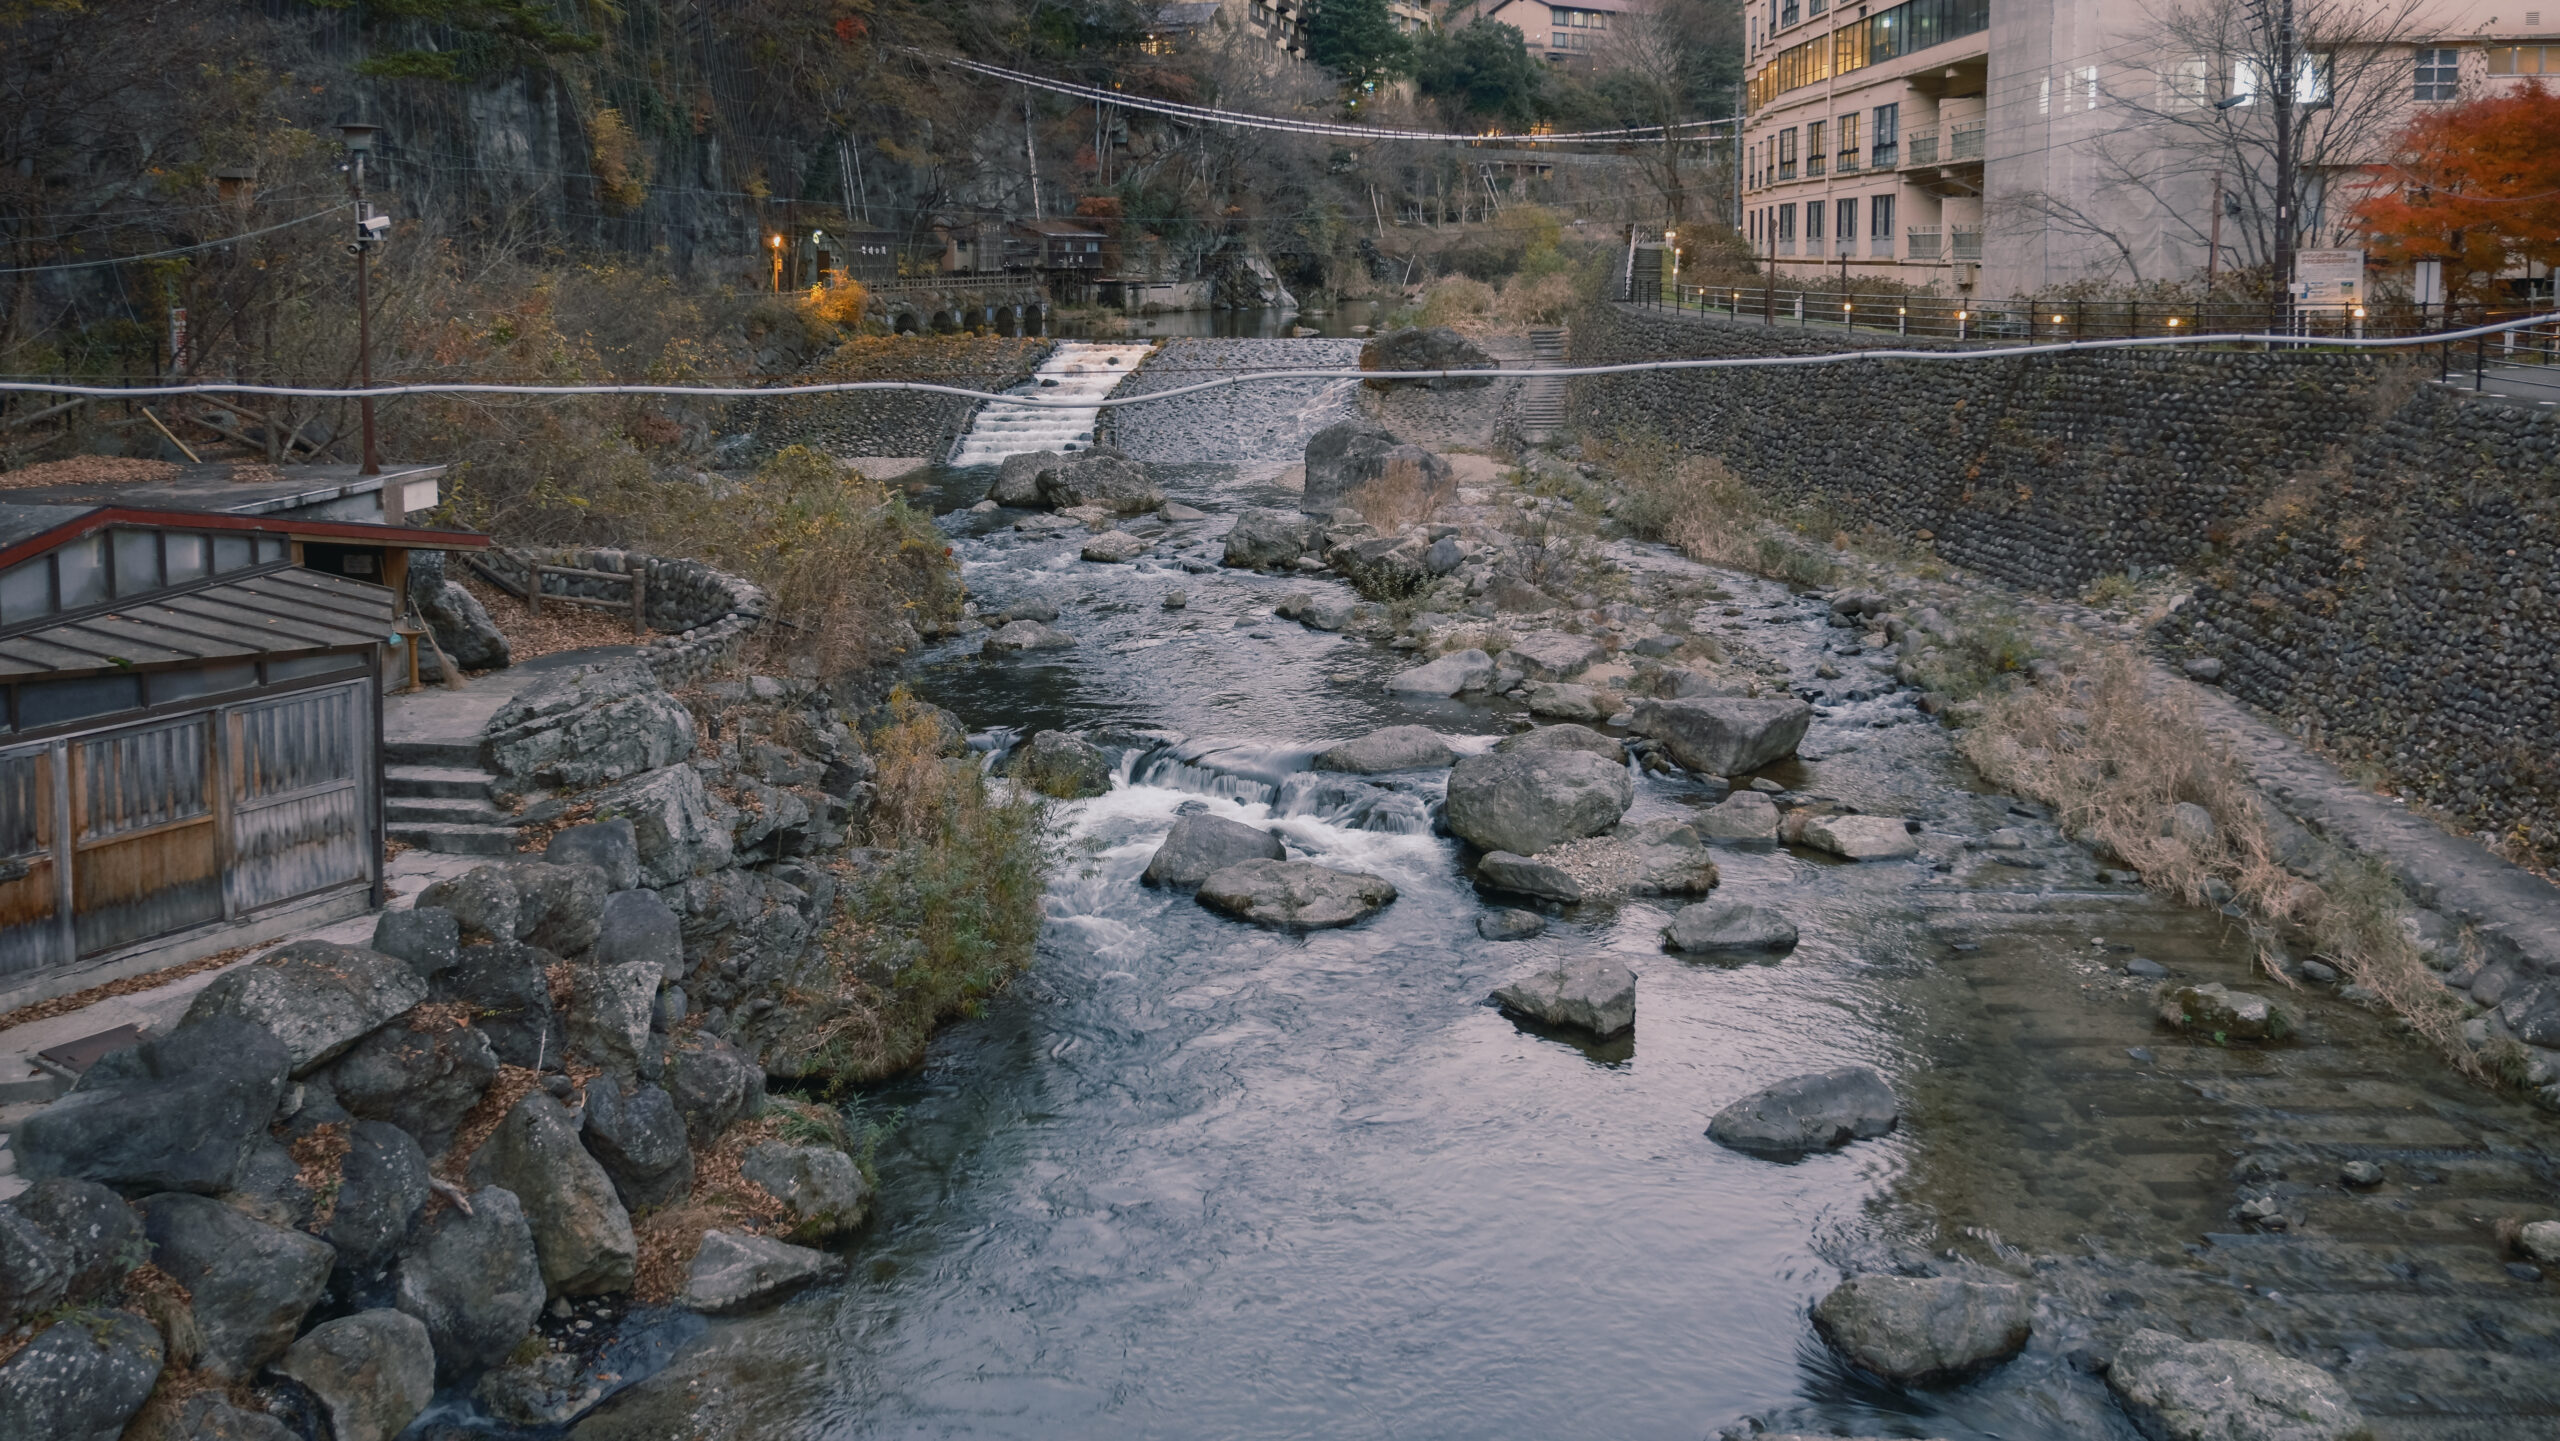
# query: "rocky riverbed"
[[1236, 1168]]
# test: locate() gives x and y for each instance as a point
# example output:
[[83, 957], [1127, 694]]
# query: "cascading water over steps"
[[1075, 370]]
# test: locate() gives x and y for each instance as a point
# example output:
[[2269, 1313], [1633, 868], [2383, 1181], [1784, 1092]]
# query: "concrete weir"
[[1075, 370]]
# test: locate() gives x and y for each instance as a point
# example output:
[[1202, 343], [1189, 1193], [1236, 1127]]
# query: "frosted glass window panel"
[[181, 557], [26, 590], [82, 568], [137, 560]]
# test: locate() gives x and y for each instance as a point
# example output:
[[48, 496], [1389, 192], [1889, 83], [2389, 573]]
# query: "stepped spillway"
[[1075, 370]]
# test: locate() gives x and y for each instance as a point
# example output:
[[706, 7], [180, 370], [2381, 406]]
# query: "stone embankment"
[[889, 422], [2371, 554], [447, 1163]]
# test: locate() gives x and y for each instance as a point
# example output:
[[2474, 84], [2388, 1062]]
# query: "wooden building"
[[190, 728]]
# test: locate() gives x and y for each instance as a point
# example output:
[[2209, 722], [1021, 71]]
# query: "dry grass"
[[1406, 494], [1458, 302], [129, 986], [560, 627], [320, 1164], [723, 1199], [1698, 506], [87, 470], [513, 1084], [2114, 754]]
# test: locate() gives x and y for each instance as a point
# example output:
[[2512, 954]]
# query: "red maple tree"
[[2476, 185]]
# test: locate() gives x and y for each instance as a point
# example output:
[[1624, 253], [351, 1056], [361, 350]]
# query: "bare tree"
[[1668, 63], [2198, 95]]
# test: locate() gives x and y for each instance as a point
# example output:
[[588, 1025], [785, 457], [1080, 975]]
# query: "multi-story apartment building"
[[1561, 34], [2000, 147]]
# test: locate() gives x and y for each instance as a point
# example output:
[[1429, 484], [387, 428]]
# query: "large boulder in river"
[[1812, 1112], [1862, 838], [1102, 478], [1016, 635], [2228, 1391], [1925, 1330], [1727, 928], [1435, 348], [1200, 846], [1265, 539], [1341, 458], [82, 1379], [317, 997], [1385, 568], [819, 1185], [1066, 767], [1526, 801], [1018, 479], [2225, 1014], [176, 1113], [1724, 735], [373, 1372], [736, 1272], [1566, 737], [1595, 994], [1394, 748], [1295, 895], [1456, 673], [1741, 816], [1553, 655]]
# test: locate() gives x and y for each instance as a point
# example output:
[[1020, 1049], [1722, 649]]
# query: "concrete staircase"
[[1542, 400], [436, 797]]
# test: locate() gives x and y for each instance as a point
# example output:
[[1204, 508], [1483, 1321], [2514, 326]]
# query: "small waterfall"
[[1075, 370]]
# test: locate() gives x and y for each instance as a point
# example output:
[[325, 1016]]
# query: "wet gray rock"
[[1724, 735], [679, 832], [422, 1080], [1527, 801], [1727, 928], [210, 1416], [1066, 767], [713, 1084], [734, 1272], [373, 1372], [382, 1188], [507, 986], [463, 628], [637, 929], [1519, 875], [550, 1389], [2190, 823], [611, 1013], [1294, 895], [82, 1380], [560, 905], [316, 997], [1264, 539], [252, 1283], [1552, 655], [1563, 700], [1018, 479], [427, 937], [580, 1230], [609, 846], [2217, 1011], [1741, 816], [175, 1113], [591, 726], [2531, 1012], [1862, 838], [1812, 1112], [1435, 348], [1567, 737], [820, 1185], [2228, 1391], [483, 902], [638, 1136], [1384, 569], [1020, 635], [63, 1240], [1100, 478], [1509, 925], [1453, 674], [1199, 846], [1394, 748], [1925, 1330], [1115, 547], [473, 1277], [1339, 459], [2538, 1239], [1594, 994]]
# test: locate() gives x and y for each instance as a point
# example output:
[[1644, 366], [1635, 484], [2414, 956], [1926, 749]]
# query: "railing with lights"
[[2011, 321]]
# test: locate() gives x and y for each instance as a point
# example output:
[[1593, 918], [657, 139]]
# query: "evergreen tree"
[[1357, 40]]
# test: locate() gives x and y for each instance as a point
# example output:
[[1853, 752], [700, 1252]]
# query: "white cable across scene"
[[181, 250], [844, 387]]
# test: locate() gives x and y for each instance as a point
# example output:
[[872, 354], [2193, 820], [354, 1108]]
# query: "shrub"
[[1405, 493], [1456, 301]]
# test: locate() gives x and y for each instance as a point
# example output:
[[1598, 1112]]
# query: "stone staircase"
[[1542, 400], [436, 797]]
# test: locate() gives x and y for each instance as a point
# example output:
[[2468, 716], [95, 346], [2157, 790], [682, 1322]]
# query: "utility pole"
[[359, 137], [2213, 247], [1030, 154]]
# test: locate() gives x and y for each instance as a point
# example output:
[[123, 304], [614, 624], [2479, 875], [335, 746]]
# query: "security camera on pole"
[[369, 231]]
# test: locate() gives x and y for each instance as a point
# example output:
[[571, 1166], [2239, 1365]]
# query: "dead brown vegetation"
[[1406, 493]]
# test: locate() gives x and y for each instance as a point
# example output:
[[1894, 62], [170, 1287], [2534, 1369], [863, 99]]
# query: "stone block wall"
[[2374, 554], [704, 615]]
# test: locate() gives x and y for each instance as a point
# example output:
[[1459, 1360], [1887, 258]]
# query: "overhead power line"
[[1242, 119], [845, 387], [180, 250]]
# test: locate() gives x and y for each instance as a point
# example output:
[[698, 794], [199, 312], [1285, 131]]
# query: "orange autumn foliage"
[[2476, 185]]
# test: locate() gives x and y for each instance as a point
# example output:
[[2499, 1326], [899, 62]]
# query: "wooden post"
[[640, 601], [532, 587]]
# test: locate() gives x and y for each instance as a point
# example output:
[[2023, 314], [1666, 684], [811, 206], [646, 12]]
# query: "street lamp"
[[359, 137], [776, 242]]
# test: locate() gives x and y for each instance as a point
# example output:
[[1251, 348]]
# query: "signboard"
[[2328, 279]]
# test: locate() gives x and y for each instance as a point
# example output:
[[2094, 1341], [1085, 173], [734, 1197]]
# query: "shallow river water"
[[1191, 1179]]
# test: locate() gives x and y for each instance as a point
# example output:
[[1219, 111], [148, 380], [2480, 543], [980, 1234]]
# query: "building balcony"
[[1920, 148], [1964, 142], [1848, 163], [1924, 242], [1964, 245]]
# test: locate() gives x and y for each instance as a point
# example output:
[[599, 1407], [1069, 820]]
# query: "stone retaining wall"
[[2374, 554], [704, 616]]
